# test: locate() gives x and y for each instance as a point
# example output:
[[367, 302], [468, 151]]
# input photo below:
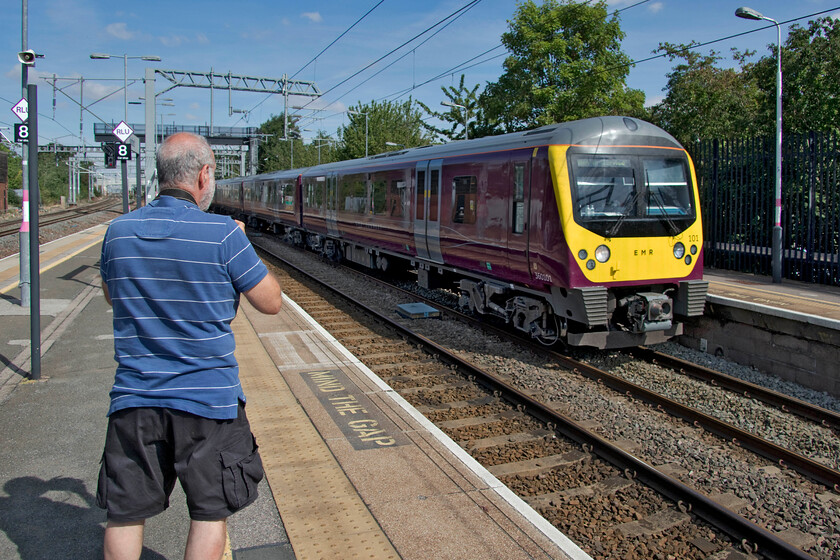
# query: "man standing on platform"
[[173, 275]]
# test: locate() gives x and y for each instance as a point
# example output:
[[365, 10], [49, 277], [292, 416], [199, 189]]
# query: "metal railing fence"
[[737, 194]]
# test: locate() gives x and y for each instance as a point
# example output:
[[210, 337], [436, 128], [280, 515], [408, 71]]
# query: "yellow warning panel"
[[323, 514]]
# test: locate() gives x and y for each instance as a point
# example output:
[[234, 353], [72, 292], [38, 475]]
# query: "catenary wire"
[[429, 38], [457, 68]]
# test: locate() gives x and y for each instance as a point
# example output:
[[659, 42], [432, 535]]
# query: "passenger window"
[[379, 194], [332, 183], [421, 194], [433, 195], [464, 191], [518, 198], [397, 198]]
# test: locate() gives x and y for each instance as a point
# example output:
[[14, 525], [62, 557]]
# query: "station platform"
[[352, 470], [814, 302], [790, 330]]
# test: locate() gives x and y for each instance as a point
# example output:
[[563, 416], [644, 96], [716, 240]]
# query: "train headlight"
[[602, 253], [590, 264], [582, 254], [688, 259], [693, 249], [679, 250]]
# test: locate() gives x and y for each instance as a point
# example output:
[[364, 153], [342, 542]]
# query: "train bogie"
[[587, 232]]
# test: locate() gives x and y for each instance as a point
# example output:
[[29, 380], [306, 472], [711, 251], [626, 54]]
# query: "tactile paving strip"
[[323, 514]]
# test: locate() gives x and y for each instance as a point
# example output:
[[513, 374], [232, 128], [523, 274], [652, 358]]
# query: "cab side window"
[[518, 198], [464, 190]]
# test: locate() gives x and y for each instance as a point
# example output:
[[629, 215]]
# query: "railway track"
[[13, 227], [613, 503]]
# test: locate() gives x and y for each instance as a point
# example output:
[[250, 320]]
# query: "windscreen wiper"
[[663, 216], [626, 207]]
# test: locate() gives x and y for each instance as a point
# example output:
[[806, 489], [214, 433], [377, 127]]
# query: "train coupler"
[[648, 311]]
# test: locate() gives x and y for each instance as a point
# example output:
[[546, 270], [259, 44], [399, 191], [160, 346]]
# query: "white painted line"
[[550, 531], [775, 312]]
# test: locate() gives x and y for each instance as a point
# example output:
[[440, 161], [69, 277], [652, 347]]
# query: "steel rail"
[[814, 470], [827, 418], [752, 536], [12, 227]]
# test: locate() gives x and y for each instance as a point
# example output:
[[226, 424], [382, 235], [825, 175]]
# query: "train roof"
[[597, 132]]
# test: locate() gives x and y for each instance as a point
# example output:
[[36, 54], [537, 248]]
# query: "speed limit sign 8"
[[22, 133], [123, 151]]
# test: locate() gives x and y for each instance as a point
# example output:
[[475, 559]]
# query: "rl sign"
[[123, 131], [21, 109]]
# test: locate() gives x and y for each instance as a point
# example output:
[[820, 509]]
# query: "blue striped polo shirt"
[[174, 274]]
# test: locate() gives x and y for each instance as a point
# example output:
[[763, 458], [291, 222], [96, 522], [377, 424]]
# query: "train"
[[585, 233]]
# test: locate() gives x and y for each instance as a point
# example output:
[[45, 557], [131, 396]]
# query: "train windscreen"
[[631, 195]]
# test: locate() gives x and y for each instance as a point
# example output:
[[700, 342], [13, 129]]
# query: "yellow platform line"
[[322, 512], [54, 255]]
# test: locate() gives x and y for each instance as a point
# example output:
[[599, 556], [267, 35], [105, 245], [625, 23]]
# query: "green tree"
[[810, 79], [15, 176], [276, 148], [53, 176], [322, 149], [565, 63], [387, 121], [459, 96], [704, 100]]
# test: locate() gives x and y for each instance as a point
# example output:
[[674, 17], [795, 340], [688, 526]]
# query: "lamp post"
[[125, 57], [466, 116], [124, 165], [749, 13], [394, 145], [366, 128]]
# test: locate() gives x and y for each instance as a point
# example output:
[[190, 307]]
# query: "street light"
[[749, 13], [466, 116], [123, 163], [366, 128], [394, 144], [125, 57]]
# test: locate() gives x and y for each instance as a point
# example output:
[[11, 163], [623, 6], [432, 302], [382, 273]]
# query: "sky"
[[270, 39]]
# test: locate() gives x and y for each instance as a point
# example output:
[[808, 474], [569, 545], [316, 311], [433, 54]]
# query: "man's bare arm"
[[267, 296], [105, 293]]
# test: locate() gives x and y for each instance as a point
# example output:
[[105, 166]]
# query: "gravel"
[[779, 499]]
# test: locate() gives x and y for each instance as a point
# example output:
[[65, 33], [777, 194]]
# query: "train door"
[[520, 197], [427, 205], [298, 199], [332, 205]]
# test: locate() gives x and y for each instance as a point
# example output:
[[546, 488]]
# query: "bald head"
[[181, 158]]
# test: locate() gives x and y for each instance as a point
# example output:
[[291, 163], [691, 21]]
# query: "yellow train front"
[[586, 232], [627, 199]]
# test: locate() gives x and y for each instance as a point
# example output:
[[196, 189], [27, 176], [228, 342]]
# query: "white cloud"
[[314, 17], [95, 91], [119, 30], [195, 106], [33, 75], [190, 117], [174, 40], [656, 7], [202, 39]]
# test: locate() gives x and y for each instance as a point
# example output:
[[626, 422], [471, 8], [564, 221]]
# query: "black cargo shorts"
[[147, 449]]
